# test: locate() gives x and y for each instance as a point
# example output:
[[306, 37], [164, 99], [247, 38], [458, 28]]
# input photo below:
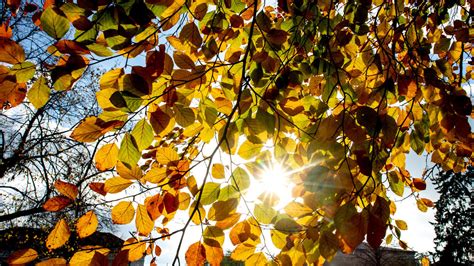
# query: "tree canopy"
[[208, 95]]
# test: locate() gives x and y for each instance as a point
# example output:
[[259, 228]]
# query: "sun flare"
[[274, 178]]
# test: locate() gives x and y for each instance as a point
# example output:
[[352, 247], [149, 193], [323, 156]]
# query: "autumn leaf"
[[22, 256], [419, 183], [39, 93], [67, 189], [196, 254], [106, 157], [11, 52], [92, 128], [143, 221], [87, 224], [88, 257], [123, 212], [116, 184], [53, 23], [57, 203], [58, 236], [52, 262]]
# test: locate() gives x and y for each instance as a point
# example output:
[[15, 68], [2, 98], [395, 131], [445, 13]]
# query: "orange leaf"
[[56, 203], [87, 224], [11, 52], [427, 202], [106, 157], [67, 189], [196, 254], [59, 236], [214, 252], [22, 256], [98, 187], [11, 93], [52, 262]]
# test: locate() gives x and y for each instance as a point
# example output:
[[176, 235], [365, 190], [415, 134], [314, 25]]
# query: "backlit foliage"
[[338, 92]]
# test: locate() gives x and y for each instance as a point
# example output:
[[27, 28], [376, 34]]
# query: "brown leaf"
[[419, 183], [56, 203]]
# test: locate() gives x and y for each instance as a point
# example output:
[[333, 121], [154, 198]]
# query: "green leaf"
[[228, 192], [240, 179], [143, 134], [54, 24], [184, 115], [129, 153], [39, 93], [287, 225], [210, 193], [264, 213], [23, 71], [248, 150], [396, 184]]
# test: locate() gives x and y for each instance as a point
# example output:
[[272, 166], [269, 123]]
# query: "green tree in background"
[[454, 212]]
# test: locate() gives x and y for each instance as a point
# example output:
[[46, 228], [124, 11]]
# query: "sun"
[[274, 179]]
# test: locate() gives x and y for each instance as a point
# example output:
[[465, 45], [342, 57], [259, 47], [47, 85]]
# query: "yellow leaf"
[[221, 210], [116, 184], [213, 233], [87, 224], [123, 212], [156, 175], [402, 225], [143, 221], [184, 200], [133, 173], [88, 257], [39, 93], [248, 150], [58, 236], [22, 256], [67, 189], [52, 262], [165, 155], [106, 157], [218, 171], [196, 254], [296, 209], [229, 221], [92, 128], [197, 216], [135, 249], [242, 252], [110, 79], [256, 259], [214, 252]]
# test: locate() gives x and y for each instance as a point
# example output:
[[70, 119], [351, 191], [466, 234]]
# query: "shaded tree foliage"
[[206, 96], [453, 219]]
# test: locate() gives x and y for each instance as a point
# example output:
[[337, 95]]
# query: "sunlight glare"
[[276, 179]]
